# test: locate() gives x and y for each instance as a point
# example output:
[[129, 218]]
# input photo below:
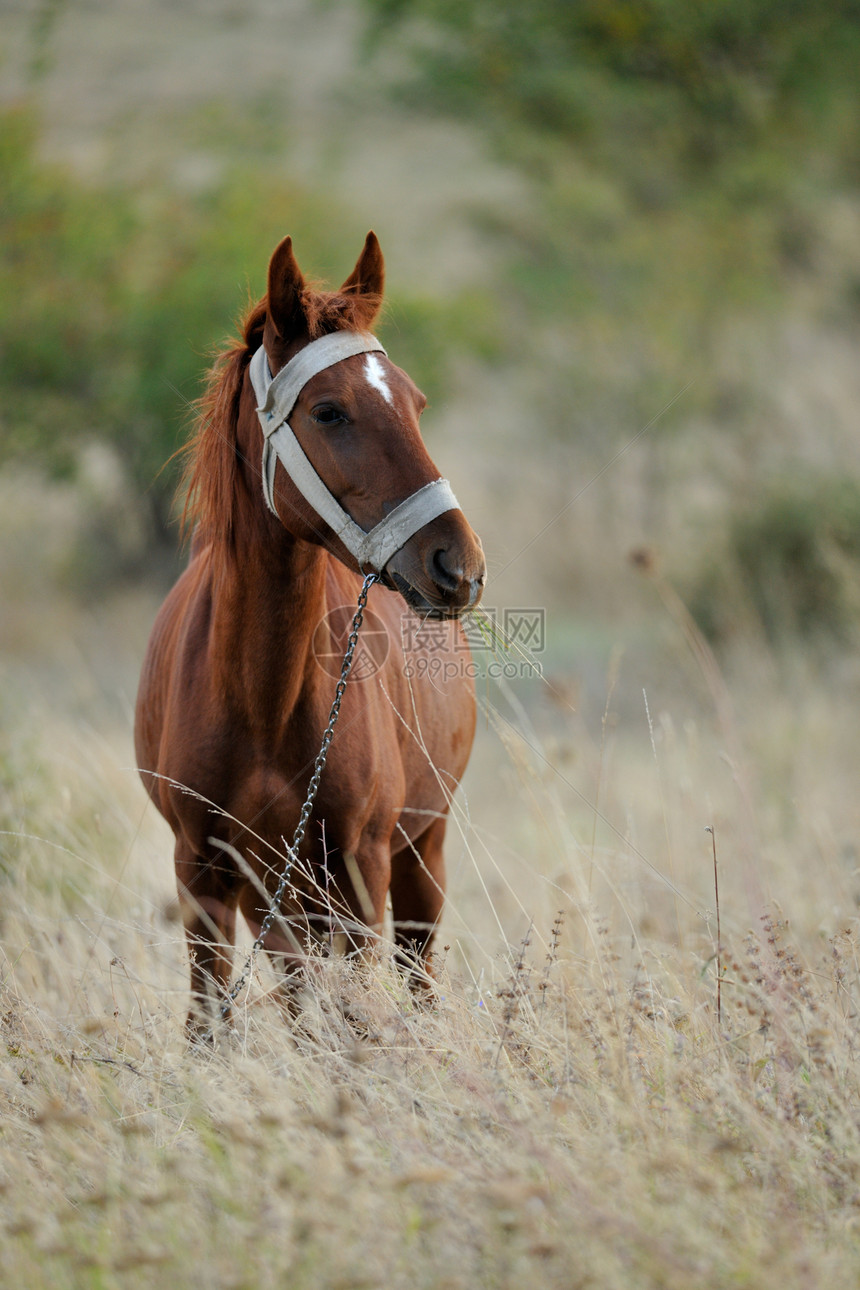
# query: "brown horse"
[[239, 674]]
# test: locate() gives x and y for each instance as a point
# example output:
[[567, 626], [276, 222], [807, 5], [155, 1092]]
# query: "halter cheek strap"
[[276, 398]]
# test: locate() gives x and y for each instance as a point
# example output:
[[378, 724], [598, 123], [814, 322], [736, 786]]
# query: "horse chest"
[[267, 794]]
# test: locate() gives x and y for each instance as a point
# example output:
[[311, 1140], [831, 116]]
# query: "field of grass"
[[570, 1110]]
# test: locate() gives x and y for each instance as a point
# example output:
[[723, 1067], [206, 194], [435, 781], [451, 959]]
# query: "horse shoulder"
[[172, 698]]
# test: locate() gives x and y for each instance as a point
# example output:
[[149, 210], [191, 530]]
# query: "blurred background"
[[623, 251]]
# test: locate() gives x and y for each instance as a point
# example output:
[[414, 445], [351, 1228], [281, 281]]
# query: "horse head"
[[344, 464]]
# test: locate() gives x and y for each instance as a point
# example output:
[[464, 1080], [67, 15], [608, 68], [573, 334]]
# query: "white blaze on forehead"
[[376, 376]]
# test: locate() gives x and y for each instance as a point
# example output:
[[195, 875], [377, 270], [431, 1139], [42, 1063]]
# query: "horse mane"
[[212, 458]]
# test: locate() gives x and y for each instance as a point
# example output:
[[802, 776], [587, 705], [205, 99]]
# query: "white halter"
[[276, 398]]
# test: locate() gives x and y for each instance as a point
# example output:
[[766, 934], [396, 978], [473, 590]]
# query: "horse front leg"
[[207, 897], [286, 942], [417, 898], [356, 893], [355, 897], [341, 907]]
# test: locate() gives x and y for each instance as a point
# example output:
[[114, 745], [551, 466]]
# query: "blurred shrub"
[[112, 301], [791, 561], [683, 160], [674, 146], [674, 82], [101, 306]]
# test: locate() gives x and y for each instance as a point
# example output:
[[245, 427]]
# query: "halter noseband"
[[276, 398]]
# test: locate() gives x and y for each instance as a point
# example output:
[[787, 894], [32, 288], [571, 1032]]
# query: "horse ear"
[[368, 276], [286, 285]]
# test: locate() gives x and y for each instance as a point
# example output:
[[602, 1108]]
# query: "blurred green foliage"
[[113, 301], [684, 161], [668, 142], [791, 559], [682, 85], [106, 311], [680, 159]]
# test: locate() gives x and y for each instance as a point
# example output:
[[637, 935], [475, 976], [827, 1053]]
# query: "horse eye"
[[327, 415]]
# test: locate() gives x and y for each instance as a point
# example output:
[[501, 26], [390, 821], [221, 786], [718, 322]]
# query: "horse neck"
[[268, 596]]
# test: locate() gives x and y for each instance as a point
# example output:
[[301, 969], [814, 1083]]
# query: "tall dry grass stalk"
[[568, 1112]]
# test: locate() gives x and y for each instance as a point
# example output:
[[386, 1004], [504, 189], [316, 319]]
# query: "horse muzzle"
[[439, 581]]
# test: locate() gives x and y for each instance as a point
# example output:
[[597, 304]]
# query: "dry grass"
[[567, 1113]]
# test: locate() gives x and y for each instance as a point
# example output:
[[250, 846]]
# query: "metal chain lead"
[[313, 788]]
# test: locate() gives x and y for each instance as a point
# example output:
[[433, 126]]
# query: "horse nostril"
[[445, 573]]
